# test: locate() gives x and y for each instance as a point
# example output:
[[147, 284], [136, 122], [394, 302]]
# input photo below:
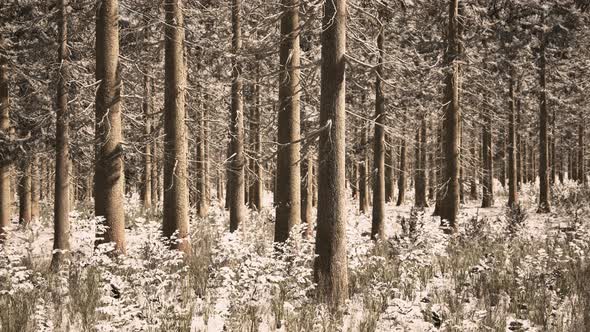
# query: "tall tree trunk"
[[553, 152], [5, 191], [544, 206], [420, 167], [449, 207], [256, 189], [235, 189], [176, 203], [147, 163], [61, 207], [363, 174], [389, 170], [109, 174], [331, 265], [307, 194], [24, 194], [512, 163], [155, 165], [488, 163], [475, 171], [402, 180], [35, 188], [520, 148], [503, 158], [582, 178], [378, 221], [202, 162], [288, 203]]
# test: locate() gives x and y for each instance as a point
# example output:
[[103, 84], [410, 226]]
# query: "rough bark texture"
[[331, 265], [402, 179], [235, 174], [449, 206], [109, 176], [488, 163], [61, 207], [288, 199], [511, 148], [5, 191], [378, 221], [176, 203], [544, 206]]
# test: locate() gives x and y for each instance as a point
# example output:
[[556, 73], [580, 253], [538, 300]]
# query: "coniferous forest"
[[294, 165]]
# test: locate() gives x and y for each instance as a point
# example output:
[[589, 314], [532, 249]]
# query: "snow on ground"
[[493, 275]]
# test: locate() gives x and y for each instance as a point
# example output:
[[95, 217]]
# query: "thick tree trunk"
[[378, 221], [544, 206], [24, 195], [512, 162], [449, 207], [235, 189], [176, 204], [5, 190], [331, 265], [61, 207], [109, 174], [488, 163], [288, 203], [402, 179]]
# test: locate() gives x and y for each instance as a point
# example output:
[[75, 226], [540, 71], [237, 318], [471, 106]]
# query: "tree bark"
[[109, 174], [378, 221], [331, 265], [176, 200], [5, 190], [61, 204], [449, 207], [420, 167], [512, 162], [363, 174], [488, 163], [256, 189], [35, 188], [307, 171], [147, 166], [288, 203], [402, 180], [235, 189], [582, 178], [24, 194], [544, 206], [202, 165]]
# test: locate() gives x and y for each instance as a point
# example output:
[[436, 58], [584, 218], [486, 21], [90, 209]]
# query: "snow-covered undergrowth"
[[504, 270]]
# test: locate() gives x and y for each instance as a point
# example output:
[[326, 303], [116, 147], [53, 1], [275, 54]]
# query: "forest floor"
[[505, 270]]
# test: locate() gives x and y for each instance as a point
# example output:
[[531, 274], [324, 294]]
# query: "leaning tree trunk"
[[544, 206], [288, 199], [5, 191], [488, 163], [378, 221], [61, 207], [109, 177], [449, 207], [176, 200], [235, 188], [402, 180], [512, 172], [330, 265]]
